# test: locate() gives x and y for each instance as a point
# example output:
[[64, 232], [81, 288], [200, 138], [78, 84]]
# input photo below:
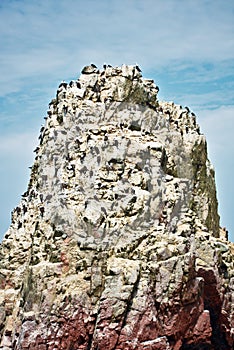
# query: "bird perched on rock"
[[138, 68]]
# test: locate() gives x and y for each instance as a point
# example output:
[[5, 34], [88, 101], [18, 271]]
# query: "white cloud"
[[58, 37], [17, 144], [201, 101], [15, 158], [217, 125]]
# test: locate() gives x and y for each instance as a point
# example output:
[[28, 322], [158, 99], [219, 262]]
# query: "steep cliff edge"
[[116, 242]]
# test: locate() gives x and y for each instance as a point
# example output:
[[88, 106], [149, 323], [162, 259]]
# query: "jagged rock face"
[[116, 243]]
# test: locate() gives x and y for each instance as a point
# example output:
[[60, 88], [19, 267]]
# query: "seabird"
[[138, 69], [18, 210], [42, 210], [63, 84]]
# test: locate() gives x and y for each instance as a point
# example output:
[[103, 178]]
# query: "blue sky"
[[186, 46]]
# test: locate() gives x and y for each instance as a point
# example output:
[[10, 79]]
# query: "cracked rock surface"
[[116, 243]]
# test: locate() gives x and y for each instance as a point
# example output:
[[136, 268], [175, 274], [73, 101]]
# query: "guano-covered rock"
[[116, 243]]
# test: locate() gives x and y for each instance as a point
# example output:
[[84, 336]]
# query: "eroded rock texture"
[[116, 243]]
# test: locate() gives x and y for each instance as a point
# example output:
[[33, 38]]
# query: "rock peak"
[[120, 84], [116, 243]]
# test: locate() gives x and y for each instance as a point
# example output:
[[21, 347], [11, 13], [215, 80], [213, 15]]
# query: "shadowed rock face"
[[116, 242]]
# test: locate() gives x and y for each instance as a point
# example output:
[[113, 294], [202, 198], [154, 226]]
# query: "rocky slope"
[[116, 242]]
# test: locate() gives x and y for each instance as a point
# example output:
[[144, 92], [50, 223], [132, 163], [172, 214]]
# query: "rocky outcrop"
[[116, 242]]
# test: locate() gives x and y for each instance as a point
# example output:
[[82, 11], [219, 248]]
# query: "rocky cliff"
[[116, 242]]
